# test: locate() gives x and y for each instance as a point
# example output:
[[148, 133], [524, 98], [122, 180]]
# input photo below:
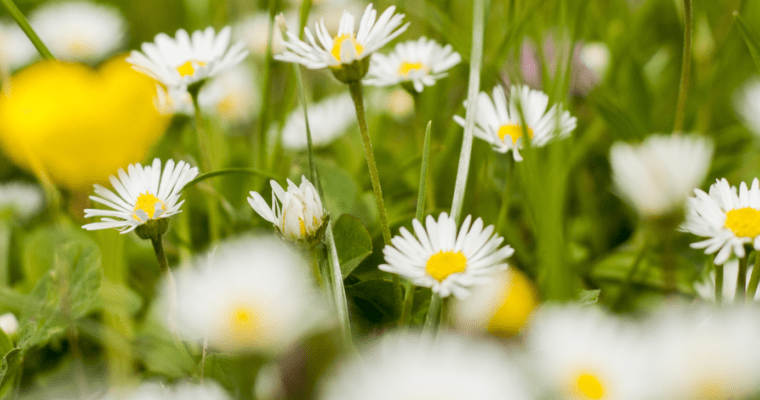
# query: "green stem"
[[315, 270], [18, 16], [685, 67], [266, 88], [504, 208], [433, 314], [741, 279], [476, 60], [338, 291], [669, 264], [163, 265], [626, 285], [754, 279], [718, 284], [5, 244], [204, 147]]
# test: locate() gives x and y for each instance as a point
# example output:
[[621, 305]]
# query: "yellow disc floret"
[[187, 69], [589, 386], [514, 131], [519, 301], [744, 222], [407, 67], [445, 263], [147, 203], [338, 45]]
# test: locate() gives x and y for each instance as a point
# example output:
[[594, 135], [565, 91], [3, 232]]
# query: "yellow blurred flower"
[[79, 125]]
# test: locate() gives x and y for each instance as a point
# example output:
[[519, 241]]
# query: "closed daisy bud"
[[296, 213]]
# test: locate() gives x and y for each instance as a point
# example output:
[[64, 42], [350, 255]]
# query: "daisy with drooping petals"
[[657, 176], [420, 62], [142, 194], [297, 213], [728, 219], [445, 259], [345, 47], [499, 123], [328, 119], [187, 59]]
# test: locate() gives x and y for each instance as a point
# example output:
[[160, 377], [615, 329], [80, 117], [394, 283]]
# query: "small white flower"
[[142, 194], [254, 31], [409, 367], [232, 96], [498, 121], [728, 219], [657, 176], [444, 260], [20, 200], [186, 59], [16, 50], [344, 47], [9, 323], [80, 31], [250, 295], [181, 391], [747, 105], [421, 62], [328, 119], [596, 57], [297, 213], [706, 287]]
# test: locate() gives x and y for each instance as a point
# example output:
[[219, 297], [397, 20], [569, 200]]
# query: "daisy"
[[142, 194], [728, 219], [657, 176], [20, 200], [345, 47], [409, 367], [80, 31], [421, 63], [747, 105], [501, 307], [297, 214], [705, 287], [498, 121], [444, 260], [187, 59], [254, 32], [328, 119], [250, 295]]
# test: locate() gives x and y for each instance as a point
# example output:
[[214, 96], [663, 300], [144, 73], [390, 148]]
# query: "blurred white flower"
[[328, 119], [232, 96], [420, 62], [16, 50], [501, 307], [181, 391], [706, 287], [20, 200], [728, 219], [657, 176], [446, 259], [9, 324], [254, 31], [297, 213], [184, 60], [409, 367], [596, 57], [747, 104], [498, 121], [80, 31]]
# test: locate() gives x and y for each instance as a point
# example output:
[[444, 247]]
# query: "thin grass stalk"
[[22, 22], [6, 231], [683, 90], [204, 146], [718, 283], [754, 279], [741, 280], [266, 89], [432, 319]]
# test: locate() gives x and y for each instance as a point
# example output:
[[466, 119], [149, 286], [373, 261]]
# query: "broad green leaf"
[[376, 300], [39, 250], [588, 297], [117, 296], [616, 268], [340, 191], [753, 44], [352, 241]]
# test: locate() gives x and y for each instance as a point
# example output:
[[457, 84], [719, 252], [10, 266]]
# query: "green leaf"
[[341, 195], [588, 297], [376, 300], [39, 250], [227, 171], [616, 267], [352, 241], [749, 38]]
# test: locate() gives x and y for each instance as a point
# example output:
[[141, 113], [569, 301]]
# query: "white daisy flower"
[[187, 59], [657, 176], [232, 96], [420, 62], [181, 391], [297, 213], [254, 31], [9, 324], [444, 260], [581, 353], [80, 31], [409, 367], [20, 200], [705, 287], [173, 100], [501, 307], [16, 50], [345, 47], [250, 295], [328, 119], [498, 121], [728, 219], [142, 194], [596, 57], [747, 104]]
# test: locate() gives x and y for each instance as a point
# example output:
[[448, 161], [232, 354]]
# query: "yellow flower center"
[[407, 67], [227, 106], [244, 323], [445, 263], [187, 69], [589, 386], [79, 47], [744, 222], [514, 131], [302, 225], [147, 203], [339, 46], [515, 308]]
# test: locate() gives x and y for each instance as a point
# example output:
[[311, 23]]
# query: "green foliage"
[[353, 242]]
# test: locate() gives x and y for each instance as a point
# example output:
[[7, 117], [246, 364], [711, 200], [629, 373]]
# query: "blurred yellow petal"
[[520, 299]]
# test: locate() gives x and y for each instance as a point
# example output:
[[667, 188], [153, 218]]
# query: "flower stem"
[[476, 60], [5, 244], [315, 270], [741, 279], [504, 208], [685, 68], [204, 147], [625, 287], [22, 22], [432, 318], [356, 94], [754, 279], [266, 89], [163, 265], [718, 284], [338, 291]]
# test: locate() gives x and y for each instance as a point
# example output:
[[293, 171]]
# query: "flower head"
[[297, 213], [499, 122], [444, 260], [339, 52], [328, 119], [250, 295], [187, 59], [657, 176], [420, 62], [728, 219], [20, 200], [142, 194]]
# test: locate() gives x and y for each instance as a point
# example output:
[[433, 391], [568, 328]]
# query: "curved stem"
[[685, 67], [754, 279], [22, 22]]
